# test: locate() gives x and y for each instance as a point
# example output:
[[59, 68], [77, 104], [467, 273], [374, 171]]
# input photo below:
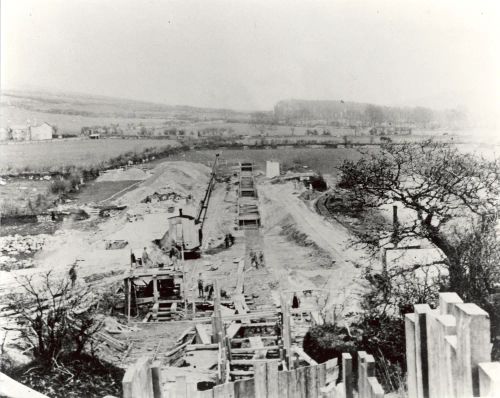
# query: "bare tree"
[[454, 196], [54, 316]]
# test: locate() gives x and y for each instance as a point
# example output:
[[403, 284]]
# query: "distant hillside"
[[70, 111]]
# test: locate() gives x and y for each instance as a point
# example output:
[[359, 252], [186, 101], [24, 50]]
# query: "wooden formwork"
[[161, 290], [248, 211]]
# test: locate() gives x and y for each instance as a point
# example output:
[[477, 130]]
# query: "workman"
[[200, 286], [145, 258]]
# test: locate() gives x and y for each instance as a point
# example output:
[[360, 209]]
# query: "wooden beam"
[[251, 362], [233, 329], [300, 352], [240, 277], [250, 349], [198, 347], [244, 339], [202, 334], [250, 315]]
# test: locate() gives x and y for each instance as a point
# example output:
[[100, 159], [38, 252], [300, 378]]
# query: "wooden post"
[[293, 388], [155, 289], [128, 288], [310, 384], [138, 381], [361, 373], [227, 341], [447, 302], [433, 343], [157, 379], [383, 259], [180, 387], [260, 376], [286, 331], [347, 375], [473, 347], [395, 225], [374, 388], [411, 354], [321, 376], [369, 372], [450, 349], [272, 379], [283, 384], [301, 381], [421, 354], [217, 316], [489, 379]]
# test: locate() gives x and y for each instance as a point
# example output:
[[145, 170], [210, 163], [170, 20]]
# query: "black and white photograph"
[[249, 199]]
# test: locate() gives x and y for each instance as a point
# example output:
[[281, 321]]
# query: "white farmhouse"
[[42, 132]]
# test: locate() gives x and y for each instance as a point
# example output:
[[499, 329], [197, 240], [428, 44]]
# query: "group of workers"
[[145, 260], [140, 261], [256, 259], [202, 287]]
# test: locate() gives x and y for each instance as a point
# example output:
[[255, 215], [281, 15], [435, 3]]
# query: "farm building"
[[42, 132], [20, 132], [25, 132], [4, 134]]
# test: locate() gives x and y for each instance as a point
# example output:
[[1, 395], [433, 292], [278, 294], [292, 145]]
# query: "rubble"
[[15, 251]]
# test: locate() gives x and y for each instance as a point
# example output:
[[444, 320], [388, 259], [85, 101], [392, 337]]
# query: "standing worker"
[[253, 259], [295, 301], [132, 259], [72, 274], [173, 254], [200, 286], [145, 258], [261, 259]]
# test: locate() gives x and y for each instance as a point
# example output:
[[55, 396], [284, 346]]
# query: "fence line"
[[448, 351]]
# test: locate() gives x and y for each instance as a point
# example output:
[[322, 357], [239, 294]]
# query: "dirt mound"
[[184, 178], [132, 174]]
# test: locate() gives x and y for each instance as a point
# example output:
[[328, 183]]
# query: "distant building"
[[4, 134], [25, 132], [43, 132], [20, 132], [272, 169]]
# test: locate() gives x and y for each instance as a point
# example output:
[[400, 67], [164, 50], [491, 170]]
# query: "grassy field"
[[97, 191], [37, 156], [323, 160]]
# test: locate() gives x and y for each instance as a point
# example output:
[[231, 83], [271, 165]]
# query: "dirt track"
[[333, 238]]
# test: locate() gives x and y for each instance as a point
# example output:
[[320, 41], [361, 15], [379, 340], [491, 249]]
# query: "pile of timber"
[[175, 355]]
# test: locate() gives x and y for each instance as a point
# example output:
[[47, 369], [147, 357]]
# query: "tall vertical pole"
[[395, 225]]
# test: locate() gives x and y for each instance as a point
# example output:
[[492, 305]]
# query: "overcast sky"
[[250, 54]]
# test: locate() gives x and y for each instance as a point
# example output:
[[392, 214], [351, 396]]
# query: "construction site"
[[216, 288]]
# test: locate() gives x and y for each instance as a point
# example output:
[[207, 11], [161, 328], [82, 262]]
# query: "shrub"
[[74, 376], [324, 342], [59, 186], [56, 317]]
